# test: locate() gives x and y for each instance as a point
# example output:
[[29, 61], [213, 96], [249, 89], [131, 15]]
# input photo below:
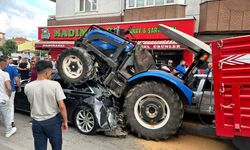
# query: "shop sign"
[[45, 33], [147, 30]]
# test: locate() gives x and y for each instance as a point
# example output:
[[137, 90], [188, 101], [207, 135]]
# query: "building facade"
[[20, 40], [103, 11], [215, 19], [153, 9], [221, 19], [87, 11]]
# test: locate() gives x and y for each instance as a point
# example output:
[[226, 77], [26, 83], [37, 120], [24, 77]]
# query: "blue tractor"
[[119, 84]]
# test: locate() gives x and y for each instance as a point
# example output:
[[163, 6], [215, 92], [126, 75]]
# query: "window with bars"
[[145, 3], [88, 5]]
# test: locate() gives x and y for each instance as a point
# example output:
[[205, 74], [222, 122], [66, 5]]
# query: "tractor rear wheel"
[[153, 110]]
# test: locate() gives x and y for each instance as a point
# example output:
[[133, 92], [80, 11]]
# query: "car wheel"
[[85, 121]]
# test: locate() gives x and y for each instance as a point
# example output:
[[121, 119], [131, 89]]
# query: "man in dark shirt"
[[23, 68], [34, 60]]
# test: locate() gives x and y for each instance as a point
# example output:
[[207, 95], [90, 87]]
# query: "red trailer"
[[231, 72]]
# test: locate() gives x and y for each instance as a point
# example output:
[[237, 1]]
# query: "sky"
[[21, 18]]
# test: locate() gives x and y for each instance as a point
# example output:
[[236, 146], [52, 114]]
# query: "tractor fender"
[[158, 75]]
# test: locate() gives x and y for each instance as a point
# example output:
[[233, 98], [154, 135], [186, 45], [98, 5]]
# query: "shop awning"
[[54, 44], [160, 44], [147, 44]]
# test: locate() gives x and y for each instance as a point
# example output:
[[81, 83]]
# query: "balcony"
[[155, 12]]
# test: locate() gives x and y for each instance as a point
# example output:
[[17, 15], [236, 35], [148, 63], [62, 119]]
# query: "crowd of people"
[[44, 95], [26, 67], [182, 68]]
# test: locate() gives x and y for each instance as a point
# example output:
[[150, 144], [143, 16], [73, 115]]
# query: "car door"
[[21, 102]]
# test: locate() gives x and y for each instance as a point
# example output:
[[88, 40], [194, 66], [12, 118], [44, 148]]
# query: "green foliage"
[[8, 47]]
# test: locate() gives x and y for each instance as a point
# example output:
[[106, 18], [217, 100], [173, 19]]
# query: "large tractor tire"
[[75, 66], [153, 110]]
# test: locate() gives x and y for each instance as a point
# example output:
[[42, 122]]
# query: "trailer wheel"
[[75, 66], [153, 110], [85, 121]]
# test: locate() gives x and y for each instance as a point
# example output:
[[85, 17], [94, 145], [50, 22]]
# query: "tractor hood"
[[184, 39]]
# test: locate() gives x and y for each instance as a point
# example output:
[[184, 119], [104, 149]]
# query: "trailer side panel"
[[231, 71]]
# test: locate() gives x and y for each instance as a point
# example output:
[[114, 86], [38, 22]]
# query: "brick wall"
[[157, 12], [225, 15]]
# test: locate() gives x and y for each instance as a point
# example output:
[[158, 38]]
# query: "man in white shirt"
[[46, 102], [5, 93]]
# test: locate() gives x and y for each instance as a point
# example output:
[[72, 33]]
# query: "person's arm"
[[7, 83], [60, 96], [19, 68], [181, 69], [63, 112], [16, 78], [28, 65], [8, 86], [18, 83]]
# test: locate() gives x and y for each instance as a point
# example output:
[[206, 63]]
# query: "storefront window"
[[88, 5]]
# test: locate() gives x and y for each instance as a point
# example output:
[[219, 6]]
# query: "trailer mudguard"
[[169, 78]]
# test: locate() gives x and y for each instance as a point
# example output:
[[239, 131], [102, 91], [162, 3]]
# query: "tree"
[[8, 47]]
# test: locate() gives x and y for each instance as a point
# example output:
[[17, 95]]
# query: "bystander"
[[170, 65], [181, 68], [209, 69], [45, 97], [23, 68], [5, 93], [14, 78], [33, 75]]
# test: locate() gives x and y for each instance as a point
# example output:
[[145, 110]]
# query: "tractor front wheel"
[[75, 66], [153, 110]]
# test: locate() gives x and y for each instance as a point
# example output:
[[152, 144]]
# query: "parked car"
[[75, 103]]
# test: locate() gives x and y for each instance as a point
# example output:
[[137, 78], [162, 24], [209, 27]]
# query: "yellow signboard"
[[27, 46]]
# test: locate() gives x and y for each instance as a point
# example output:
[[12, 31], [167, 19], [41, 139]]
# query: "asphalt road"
[[73, 140]]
